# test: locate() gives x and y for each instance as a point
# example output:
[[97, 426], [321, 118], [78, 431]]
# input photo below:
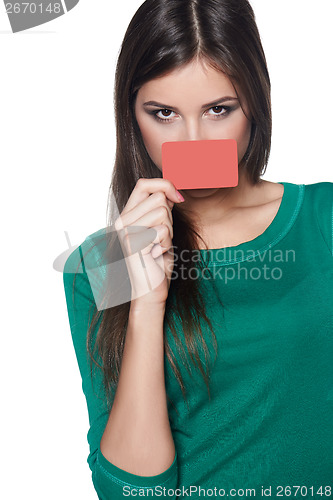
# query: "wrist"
[[148, 309]]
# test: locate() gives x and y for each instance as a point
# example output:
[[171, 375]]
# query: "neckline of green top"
[[284, 219]]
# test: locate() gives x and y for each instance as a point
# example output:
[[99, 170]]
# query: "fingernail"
[[179, 196]]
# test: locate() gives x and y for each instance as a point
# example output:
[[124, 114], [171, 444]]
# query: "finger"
[[159, 235], [156, 216], [144, 187], [162, 247], [170, 203], [153, 201], [161, 243]]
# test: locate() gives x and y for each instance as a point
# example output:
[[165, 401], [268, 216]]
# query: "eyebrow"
[[209, 104]]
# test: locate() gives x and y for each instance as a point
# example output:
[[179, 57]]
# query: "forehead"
[[193, 80]]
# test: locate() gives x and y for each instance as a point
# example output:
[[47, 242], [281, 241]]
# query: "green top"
[[269, 422]]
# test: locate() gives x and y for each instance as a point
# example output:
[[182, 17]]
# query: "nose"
[[193, 132]]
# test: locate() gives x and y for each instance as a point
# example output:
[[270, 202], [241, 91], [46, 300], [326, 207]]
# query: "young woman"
[[219, 378]]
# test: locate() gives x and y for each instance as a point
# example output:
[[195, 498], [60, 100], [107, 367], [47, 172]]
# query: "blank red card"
[[200, 164]]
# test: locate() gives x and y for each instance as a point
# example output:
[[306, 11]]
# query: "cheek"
[[241, 131], [153, 140], [245, 138]]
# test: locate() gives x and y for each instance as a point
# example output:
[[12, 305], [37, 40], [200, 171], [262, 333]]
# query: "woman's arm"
[[137, 437]]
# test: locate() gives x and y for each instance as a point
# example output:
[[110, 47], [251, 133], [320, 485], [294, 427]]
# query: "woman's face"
[[180, 111]]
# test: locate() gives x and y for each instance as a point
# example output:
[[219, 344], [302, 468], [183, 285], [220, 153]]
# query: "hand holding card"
[[200, 164]]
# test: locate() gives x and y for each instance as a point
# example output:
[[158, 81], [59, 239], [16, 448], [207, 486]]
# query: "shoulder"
[[82, 267], [319, 197], [83, 256], [320, 191]]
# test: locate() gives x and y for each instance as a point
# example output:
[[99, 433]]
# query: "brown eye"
[[163, 118], [218, 109], [167, 111]]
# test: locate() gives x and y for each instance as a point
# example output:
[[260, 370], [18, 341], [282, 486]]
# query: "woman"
[[165, 416]]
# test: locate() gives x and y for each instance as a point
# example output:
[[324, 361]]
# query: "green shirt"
[[269, 422]]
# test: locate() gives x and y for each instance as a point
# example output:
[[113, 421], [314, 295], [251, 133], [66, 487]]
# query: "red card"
[[200, 164]]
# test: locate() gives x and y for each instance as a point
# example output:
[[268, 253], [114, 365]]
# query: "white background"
[[57, 152]]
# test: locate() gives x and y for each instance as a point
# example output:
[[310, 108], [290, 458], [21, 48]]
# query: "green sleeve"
[[110, 482], [323, 206]]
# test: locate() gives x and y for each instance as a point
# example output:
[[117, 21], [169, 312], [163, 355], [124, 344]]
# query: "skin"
[[242, 212]]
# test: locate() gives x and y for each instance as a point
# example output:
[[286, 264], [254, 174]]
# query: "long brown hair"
[[163, 35]]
